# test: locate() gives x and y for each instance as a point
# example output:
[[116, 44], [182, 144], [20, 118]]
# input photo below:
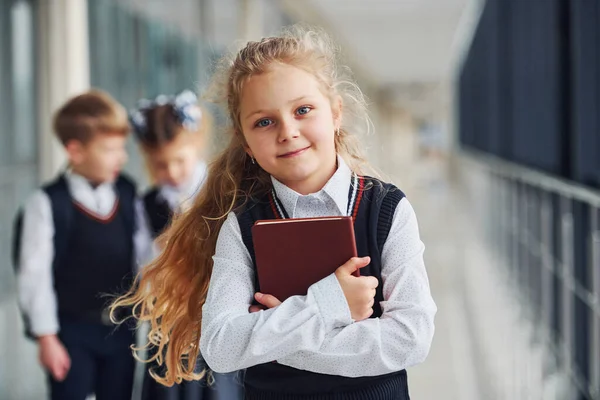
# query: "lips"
[[293, 153]]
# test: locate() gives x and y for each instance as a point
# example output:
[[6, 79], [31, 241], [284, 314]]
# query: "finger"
[[254, 308], [354, 264], [371, 281], [61, 374], [267, 300], [67, 362], [56, 371]]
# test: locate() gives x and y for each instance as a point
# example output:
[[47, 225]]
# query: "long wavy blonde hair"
[[169, 293]]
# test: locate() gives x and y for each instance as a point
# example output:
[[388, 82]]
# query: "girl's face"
[[174, 163], [289, 125]]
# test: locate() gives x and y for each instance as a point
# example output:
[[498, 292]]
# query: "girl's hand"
[[359, 291], [266, 300]]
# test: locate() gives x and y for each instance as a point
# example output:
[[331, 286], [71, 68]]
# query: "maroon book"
[[292, 254]]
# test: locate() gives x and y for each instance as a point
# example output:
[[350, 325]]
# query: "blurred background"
[[486, 113]]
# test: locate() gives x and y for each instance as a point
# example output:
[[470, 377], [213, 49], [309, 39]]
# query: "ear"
[[336, 110], [242, 139], [75, 151]]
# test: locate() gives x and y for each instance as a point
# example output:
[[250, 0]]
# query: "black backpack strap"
[[16, 239]]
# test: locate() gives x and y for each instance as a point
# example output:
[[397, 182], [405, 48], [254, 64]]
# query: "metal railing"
[[544, 233]]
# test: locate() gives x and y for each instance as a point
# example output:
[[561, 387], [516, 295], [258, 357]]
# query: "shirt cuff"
[[43, 328], [331, 302]]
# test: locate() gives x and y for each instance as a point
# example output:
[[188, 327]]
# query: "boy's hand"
[[54, 357], [266, 300], [359, 291]]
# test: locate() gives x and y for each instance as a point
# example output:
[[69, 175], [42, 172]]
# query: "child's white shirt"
[[316, 332], [182, 195], [179, 199]]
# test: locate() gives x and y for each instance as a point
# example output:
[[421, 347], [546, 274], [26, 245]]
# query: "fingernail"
[[258, 295]]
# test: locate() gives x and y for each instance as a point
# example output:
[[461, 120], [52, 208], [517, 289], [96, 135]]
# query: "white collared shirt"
[[175, 196], [316, 332], [35, 277], [178, 199]]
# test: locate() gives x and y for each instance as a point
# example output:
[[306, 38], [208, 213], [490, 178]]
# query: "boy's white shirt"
[[37, 297], [316, 332]]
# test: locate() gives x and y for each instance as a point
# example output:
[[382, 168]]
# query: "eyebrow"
[[289, 102]]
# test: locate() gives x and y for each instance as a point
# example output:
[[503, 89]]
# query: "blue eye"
[[263, 123], [303, 110]]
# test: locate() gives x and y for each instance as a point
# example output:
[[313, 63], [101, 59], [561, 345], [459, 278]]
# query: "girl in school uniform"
[[172, 133], [295, 115]]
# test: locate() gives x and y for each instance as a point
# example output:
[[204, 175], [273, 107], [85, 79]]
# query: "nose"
[[288, 129]]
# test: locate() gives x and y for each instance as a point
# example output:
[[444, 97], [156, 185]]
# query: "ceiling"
[[393, 42], [403, 50]]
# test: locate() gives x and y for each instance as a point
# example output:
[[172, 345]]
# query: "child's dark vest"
[[93, 256], [158, 211], [374, 206]]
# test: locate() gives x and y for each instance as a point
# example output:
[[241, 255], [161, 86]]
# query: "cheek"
[[256, 143], [157, 169], [320, 131], [115, 158]]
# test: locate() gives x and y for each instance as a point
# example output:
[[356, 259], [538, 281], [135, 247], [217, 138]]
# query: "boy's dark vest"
[[373, 212], [92, 258], [99, 259], [158, 211]]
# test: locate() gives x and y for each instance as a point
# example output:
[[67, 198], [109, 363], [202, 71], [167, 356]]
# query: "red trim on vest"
[[274, 207], [96, 217], [361, 186]]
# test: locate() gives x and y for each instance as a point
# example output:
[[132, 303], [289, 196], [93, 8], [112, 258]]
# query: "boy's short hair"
[[86, 115]]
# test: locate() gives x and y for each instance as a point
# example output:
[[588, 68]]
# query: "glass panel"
[[5, 63], [23, 83], [18, 155]]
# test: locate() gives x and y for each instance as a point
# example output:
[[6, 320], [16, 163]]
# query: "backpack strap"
[[16, 240]]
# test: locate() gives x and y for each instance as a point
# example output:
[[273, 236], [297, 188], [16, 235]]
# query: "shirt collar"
[[78, 182], [189, 190], [336, 189]]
